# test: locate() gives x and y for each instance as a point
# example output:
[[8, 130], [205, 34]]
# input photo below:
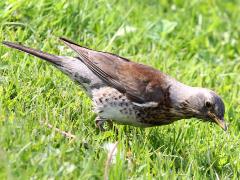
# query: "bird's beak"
[[219, 121]]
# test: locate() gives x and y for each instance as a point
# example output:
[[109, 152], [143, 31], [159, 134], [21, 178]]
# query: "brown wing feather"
[[140, 83]]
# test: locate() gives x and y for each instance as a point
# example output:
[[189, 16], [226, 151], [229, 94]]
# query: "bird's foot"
[[99, 121]]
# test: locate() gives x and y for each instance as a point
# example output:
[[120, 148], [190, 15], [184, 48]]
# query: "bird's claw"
[[100, 123]]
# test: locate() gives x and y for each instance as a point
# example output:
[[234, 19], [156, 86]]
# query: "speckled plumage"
[[132, 93], [109, 103]]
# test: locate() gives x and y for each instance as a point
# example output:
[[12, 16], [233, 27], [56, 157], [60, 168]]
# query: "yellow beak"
[[220, 122]]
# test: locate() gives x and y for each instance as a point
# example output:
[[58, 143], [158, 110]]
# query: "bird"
[[131, 93]]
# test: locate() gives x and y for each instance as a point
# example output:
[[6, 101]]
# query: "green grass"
[[197, 42]]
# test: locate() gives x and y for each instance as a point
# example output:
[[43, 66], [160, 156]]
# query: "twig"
[[64, 133], [109, 159]]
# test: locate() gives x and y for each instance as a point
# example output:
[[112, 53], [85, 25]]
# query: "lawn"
[[197, 42]]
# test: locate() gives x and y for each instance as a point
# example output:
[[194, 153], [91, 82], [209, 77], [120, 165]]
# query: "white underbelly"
[[113, 105]]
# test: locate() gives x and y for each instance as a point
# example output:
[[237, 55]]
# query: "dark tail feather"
[[73, 67], [49, 57]]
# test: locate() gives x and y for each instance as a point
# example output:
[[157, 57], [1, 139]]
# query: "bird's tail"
[[56, 60], [73, 67]]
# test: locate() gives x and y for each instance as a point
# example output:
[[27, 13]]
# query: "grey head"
[[202, 103]]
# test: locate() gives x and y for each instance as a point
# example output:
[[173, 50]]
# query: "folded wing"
[[143, 85]]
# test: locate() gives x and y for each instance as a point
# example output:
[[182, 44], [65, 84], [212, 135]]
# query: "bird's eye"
[[208, 104]]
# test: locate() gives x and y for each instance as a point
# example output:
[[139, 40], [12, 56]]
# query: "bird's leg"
[[110, 124], [99, 121]]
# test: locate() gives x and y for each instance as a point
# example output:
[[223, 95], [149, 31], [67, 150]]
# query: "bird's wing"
[[143, 85]]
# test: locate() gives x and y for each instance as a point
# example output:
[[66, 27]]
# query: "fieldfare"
[[131, 93]]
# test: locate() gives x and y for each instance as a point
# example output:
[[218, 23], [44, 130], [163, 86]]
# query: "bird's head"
[[207, 105]]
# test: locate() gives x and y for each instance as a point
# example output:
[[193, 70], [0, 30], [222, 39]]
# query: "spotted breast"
[[109, 103]]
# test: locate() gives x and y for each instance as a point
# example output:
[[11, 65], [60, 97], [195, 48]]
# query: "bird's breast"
[[109, 103]]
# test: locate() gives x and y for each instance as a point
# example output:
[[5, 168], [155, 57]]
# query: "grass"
[[197, 42]]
